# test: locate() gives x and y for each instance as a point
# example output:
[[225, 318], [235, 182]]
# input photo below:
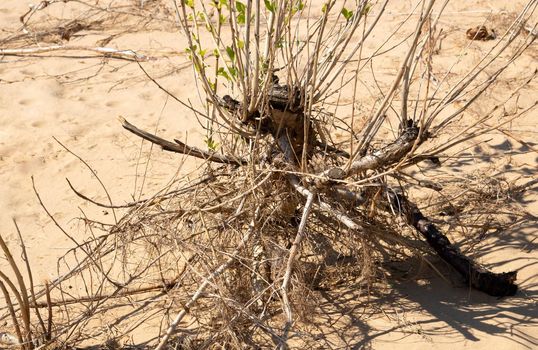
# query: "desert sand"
[[76, 97]]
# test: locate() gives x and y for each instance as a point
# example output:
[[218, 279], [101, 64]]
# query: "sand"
[[76, 97]]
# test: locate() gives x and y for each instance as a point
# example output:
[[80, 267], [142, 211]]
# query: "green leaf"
[[347, 14], [324, 8], [233, 71], [270, 6], [191, 49], [241, 17], [240, 44], [299, 6], [190, 3], [240, 7], [230, 53], [222, 72], [211, 144], [221, 3], [216, 52], [212, 86]]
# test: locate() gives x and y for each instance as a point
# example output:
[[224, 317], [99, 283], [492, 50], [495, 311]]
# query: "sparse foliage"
[[281, 205]]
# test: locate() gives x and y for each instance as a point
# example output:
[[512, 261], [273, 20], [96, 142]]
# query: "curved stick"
[[180, 147], [289, 268], [495, 284]]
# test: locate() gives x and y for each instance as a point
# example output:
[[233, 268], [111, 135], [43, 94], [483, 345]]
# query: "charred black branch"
[[281, 116], [495, 284]]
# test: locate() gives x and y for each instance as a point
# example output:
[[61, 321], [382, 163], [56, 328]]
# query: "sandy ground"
[[76, 98]]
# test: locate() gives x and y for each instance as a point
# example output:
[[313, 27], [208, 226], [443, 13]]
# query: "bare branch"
[[180, 147], [208, 280], [496, 284], [103, 51]]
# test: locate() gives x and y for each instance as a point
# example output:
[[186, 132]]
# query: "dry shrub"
[[307, 200]]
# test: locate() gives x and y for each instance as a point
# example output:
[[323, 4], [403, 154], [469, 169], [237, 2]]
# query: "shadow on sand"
[[420, 309]]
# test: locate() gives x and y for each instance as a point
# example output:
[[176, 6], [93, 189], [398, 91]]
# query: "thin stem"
[[207, 281], [289, 267]]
